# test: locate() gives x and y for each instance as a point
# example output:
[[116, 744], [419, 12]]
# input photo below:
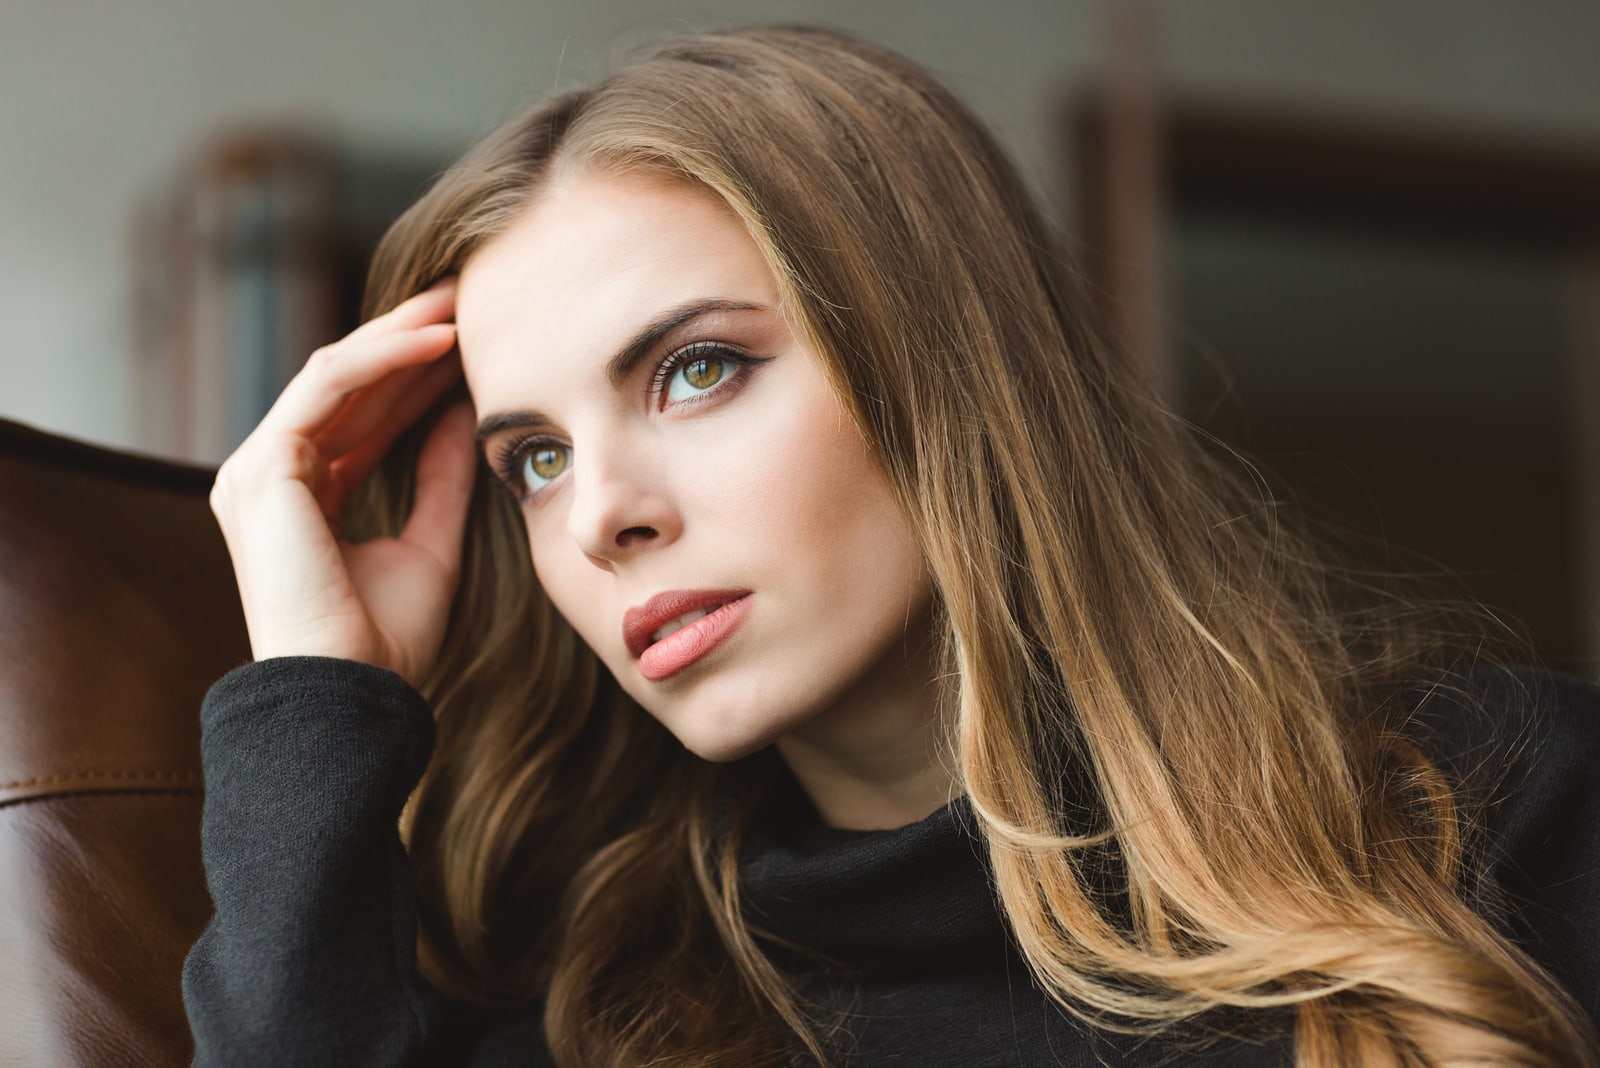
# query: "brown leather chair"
[[117, 610]]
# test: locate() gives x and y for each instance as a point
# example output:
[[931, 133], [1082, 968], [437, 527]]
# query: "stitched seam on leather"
[[74, 776], [125, 792]]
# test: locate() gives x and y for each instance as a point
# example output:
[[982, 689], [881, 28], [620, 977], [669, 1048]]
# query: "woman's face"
[[641, 392]]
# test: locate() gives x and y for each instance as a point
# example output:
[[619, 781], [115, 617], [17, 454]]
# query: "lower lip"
[[684, 646]]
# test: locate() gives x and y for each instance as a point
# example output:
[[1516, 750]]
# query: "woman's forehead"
[[607, 243], [588, 270]]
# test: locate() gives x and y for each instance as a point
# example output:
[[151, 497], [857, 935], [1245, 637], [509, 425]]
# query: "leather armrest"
[[117, 610]]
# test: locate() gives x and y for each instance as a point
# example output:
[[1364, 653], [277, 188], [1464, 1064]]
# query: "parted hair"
[[1119, 604]]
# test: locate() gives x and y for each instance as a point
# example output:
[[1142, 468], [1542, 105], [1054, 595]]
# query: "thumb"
[[446, 471]]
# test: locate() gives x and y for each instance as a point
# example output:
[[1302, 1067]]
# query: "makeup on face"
[[674, 629], [699, 506]]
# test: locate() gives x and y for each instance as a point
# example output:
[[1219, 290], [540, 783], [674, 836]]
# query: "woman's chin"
[[720, 732], [721, 745]]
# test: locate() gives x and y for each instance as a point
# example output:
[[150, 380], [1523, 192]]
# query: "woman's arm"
[[310, 752], [310, 955]]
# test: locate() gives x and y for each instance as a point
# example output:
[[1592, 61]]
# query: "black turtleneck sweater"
[[309, 958]]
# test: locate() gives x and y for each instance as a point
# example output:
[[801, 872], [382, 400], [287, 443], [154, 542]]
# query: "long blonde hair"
[[1115, 599]]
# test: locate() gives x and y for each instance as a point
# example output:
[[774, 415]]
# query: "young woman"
[[838, 657]]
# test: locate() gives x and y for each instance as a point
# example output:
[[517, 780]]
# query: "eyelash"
[[507, 459]]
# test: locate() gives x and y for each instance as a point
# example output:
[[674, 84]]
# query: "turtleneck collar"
[[915, 900]]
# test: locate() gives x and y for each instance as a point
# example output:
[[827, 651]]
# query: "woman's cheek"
[[560, 571]]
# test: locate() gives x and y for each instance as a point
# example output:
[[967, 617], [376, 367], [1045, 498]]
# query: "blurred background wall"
[[103, 101], [100, 101], [112, 114]]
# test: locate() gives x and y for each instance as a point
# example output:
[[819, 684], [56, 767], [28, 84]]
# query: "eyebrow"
[[627, 358]]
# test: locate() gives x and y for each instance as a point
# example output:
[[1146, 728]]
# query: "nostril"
[[642, 532]]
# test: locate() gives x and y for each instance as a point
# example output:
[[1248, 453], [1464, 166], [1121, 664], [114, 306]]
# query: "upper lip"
[[641, 621]]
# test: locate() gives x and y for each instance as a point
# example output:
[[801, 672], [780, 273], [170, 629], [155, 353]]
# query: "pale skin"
[[741, 469]]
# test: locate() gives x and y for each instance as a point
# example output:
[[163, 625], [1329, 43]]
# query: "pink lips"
[[684, 646]]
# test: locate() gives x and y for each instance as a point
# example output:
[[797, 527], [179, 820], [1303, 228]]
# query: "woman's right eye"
[[529, 466], [541, 464]]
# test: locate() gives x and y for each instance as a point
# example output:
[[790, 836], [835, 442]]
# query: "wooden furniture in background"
[[1401, 323], [253, 255]]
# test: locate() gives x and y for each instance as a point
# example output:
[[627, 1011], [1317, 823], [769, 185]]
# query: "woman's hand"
[[279, 497]]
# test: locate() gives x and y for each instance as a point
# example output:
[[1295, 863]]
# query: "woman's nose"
[[618, 505]]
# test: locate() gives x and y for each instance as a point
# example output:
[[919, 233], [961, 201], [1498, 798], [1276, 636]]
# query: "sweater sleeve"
[[309, 957]]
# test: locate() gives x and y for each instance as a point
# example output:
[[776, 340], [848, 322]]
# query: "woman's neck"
[[878, 758]]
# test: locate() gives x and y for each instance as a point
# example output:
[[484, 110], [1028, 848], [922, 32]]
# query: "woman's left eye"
[[698, 374], [697, 370]]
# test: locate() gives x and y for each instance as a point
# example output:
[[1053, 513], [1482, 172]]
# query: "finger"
[[364, 412], [364, 453], [446, 470], [315, 396], [384, 410], [434, 304]]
